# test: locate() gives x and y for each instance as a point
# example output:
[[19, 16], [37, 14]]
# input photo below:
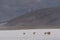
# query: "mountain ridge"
[[46, 16]]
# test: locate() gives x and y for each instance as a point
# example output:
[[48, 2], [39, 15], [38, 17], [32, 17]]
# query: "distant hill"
[[12, 8], [41, 17]]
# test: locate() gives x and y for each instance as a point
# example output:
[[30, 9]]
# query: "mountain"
[[41, 17], [12, 8]]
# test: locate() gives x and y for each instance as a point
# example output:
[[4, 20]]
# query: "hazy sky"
[[49, 3], [13, 8]]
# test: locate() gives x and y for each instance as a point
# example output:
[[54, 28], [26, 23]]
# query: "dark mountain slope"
[[41, 17]]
